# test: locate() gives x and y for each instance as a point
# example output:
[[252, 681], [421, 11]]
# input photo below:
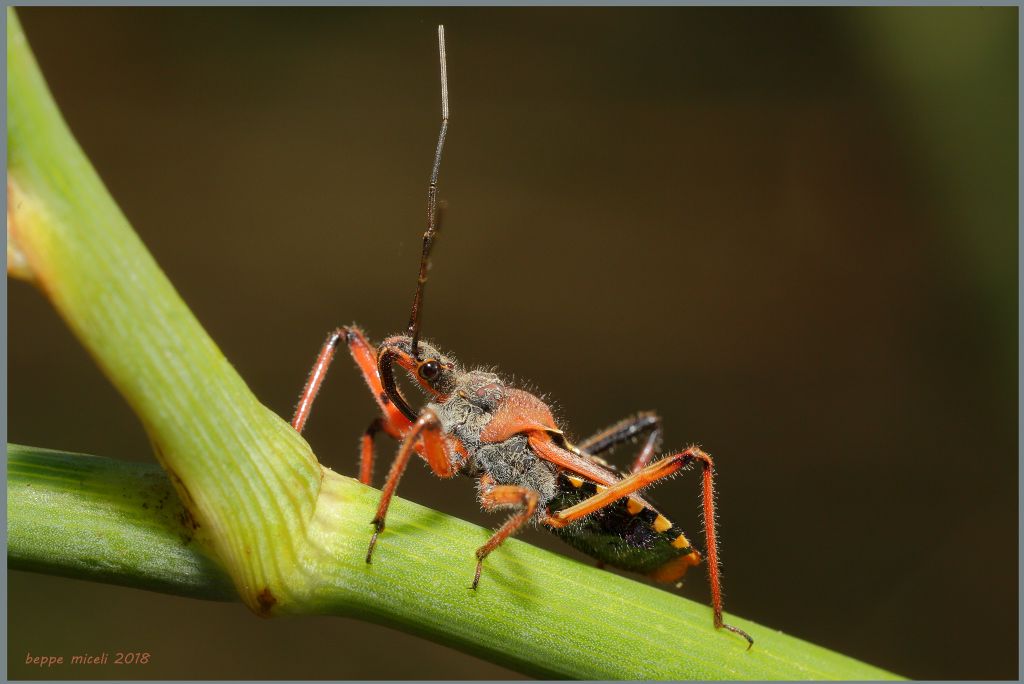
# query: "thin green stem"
[[109, 521], [96, 518]]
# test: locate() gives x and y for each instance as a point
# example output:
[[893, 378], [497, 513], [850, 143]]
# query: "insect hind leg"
[[649, 475]]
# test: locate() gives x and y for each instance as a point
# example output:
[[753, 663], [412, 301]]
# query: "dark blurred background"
[[793, 232]]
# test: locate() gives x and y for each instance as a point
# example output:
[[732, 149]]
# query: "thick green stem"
[[253, 503], [245, 475]]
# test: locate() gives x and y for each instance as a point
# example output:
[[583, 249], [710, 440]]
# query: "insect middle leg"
[[494, 496]]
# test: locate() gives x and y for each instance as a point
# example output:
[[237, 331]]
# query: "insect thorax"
[[467, 412]]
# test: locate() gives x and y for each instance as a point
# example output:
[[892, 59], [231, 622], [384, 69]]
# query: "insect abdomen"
[[625, 534]]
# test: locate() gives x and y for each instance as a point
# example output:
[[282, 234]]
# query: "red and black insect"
[[474, 424]]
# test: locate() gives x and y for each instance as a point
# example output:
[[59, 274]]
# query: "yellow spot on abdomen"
[[575, 481], [633, 506], [681, 542], [661, 523]]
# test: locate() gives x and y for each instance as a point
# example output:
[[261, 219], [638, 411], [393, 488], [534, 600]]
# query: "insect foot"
[[479, 569], [737, 630], [378, 526]]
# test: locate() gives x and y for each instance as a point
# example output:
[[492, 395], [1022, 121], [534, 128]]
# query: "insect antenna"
[[432, 205]]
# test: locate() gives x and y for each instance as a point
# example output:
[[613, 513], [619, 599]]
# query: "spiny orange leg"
[[365, 356], [494, 496], [609, 494], [436, 452], [715, 575], [315, 379], [366, 455], [649, 475]]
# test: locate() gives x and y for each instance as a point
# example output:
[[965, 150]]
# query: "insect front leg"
[[495, 496], [624, 431], [393, 422], [365, 356], [442, 458]]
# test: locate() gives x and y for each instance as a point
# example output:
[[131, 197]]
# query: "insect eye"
[[429, 370]]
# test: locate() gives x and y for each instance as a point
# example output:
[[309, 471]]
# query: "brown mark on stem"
[[265, 601], [188, 521]]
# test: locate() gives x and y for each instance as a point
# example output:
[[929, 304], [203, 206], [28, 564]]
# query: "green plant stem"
[[537, 612], [290, 535], [241, 470], [109, 521]]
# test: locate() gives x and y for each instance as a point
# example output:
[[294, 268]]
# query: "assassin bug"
[[474, 424]]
